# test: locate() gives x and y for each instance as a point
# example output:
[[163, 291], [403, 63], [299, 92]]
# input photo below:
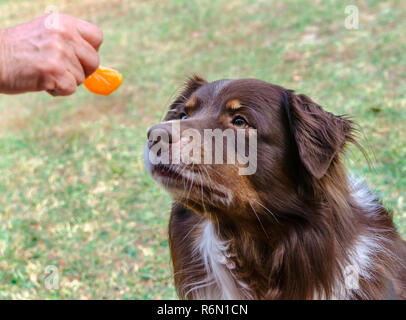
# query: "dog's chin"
[[190, 187]]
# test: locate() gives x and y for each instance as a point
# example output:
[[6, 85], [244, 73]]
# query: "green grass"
[[73, 189]]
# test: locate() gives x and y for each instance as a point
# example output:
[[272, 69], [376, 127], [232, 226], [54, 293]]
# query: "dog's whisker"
[[269, 211], [260, 222]]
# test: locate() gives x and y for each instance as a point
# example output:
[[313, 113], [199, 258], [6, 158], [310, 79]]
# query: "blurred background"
[[74, 195]]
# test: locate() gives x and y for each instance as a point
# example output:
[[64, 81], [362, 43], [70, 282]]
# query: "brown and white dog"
[[298, 228]]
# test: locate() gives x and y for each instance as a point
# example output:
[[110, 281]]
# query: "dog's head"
[[280, 142]]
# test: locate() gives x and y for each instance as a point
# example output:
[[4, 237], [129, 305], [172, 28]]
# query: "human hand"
[[57, 57]]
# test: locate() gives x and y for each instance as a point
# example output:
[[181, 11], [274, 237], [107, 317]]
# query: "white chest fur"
[[219, 282]]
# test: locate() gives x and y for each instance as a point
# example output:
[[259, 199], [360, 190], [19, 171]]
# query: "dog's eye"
[[183, 116], [239, 121]]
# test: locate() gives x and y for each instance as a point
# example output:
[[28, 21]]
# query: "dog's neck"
[[271, 256], [270, 250]]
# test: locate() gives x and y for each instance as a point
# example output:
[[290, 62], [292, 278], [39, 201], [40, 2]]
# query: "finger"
[[74, 66], [87, 56], [65, 85], [89, 32]]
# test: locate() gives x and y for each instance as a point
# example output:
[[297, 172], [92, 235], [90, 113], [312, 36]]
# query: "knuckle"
[[64, 31], [61, 30], [52, 66], [56, 44], [58, 49]]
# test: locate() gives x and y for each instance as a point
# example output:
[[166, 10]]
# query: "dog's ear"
[[319, 135], [191, 85]]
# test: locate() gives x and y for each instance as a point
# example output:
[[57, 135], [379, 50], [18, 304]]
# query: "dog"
[[299, 227]]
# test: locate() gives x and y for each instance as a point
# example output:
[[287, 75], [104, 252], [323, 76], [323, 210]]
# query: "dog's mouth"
[[187, 182], [166, 171]]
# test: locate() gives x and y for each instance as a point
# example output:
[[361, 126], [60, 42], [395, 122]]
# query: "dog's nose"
[[162, 132]]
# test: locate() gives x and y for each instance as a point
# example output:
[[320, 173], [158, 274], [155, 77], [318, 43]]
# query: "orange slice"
[[103, 81]]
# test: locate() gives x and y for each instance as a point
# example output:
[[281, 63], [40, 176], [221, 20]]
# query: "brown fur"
[[290, 226]]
